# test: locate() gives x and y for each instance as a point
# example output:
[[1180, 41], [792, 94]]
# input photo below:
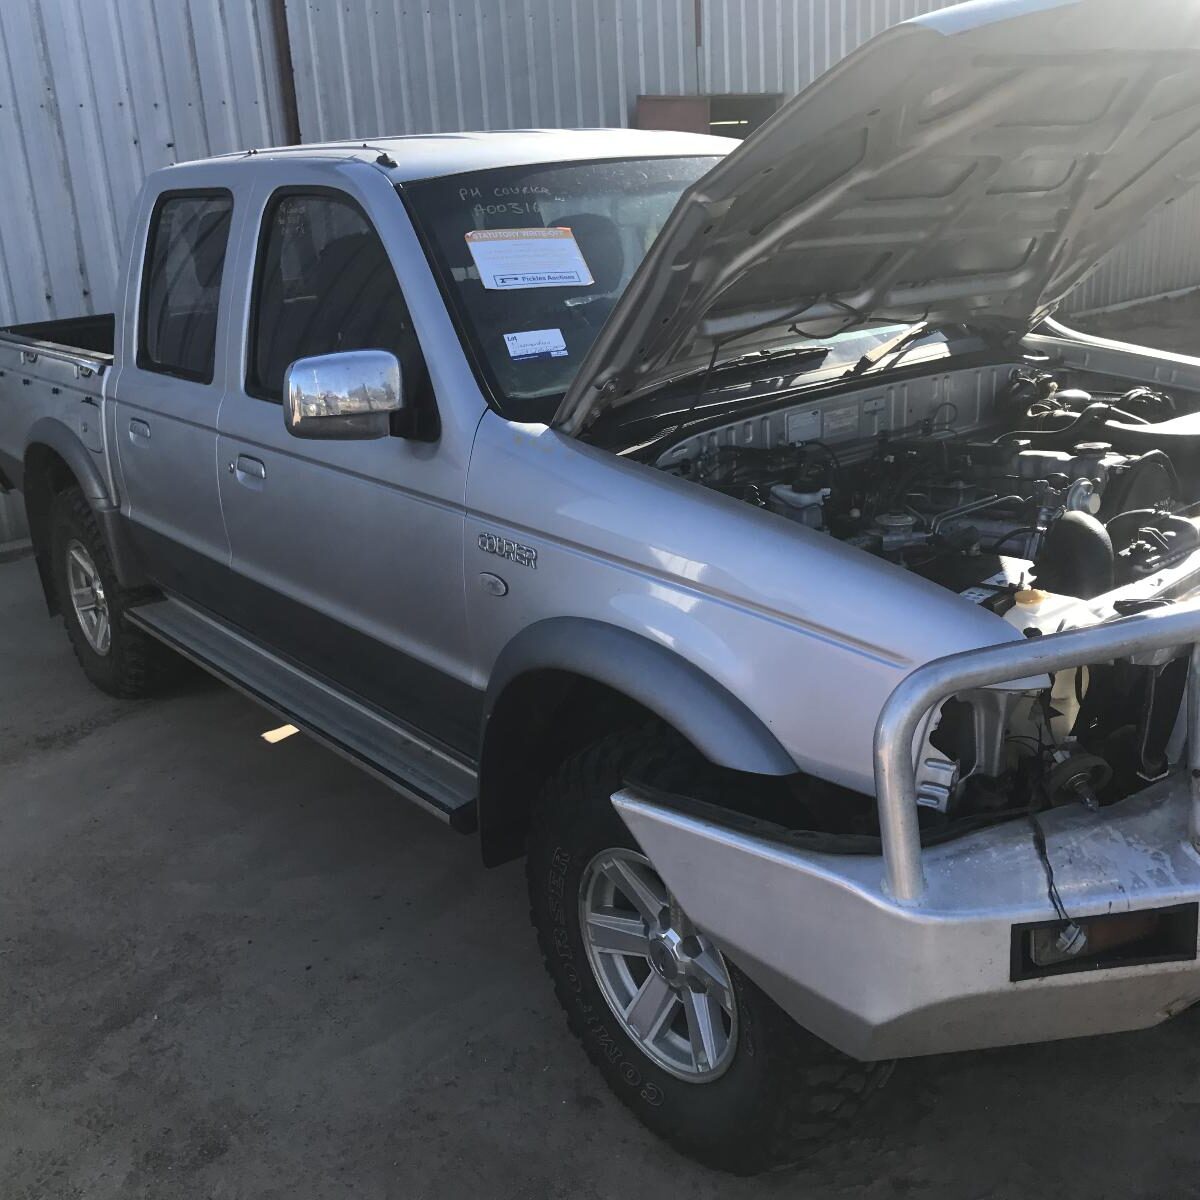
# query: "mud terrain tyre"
[[779, 1093], [117, 658]]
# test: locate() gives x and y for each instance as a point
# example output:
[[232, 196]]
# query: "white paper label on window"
[[535, 343], [528, 258]]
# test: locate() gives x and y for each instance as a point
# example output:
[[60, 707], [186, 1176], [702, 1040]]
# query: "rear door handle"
[[250, 471], [139, 431]]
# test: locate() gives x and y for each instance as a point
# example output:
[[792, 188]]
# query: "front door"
[[346, 555]]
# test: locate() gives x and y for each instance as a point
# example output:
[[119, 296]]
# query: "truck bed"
[[52, 371], [92, 335]]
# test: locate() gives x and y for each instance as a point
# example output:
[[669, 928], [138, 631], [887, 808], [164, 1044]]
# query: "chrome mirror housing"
[[344, 396]]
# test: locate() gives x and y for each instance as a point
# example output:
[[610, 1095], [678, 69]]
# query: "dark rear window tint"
[[181, 289]]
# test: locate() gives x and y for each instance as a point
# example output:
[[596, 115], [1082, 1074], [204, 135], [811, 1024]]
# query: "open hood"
[[973, 164]]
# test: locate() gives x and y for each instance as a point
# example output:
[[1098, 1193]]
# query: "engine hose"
[[1077, 558]]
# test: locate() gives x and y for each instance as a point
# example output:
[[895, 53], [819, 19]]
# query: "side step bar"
[[434, 779]]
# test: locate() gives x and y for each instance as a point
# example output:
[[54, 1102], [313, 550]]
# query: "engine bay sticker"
[[802, 426], [528, 258], [535, 343], [841, 422], [1013, 573]]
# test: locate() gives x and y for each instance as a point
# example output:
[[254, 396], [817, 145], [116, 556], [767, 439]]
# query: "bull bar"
[[915, 956], [905, 710]]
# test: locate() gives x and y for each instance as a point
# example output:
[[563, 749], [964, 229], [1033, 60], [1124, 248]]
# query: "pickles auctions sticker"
[[535, 343], [528, 258]]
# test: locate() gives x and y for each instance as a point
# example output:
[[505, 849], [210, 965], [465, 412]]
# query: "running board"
[[432, 778]]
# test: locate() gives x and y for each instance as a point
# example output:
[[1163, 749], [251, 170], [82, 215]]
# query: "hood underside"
[[970, 165]]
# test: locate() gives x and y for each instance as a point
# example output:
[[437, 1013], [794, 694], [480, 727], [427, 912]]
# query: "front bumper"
[[917, 958]]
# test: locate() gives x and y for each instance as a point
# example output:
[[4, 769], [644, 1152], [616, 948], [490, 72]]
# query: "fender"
[[48, 431], [711, 717], [53, 434]]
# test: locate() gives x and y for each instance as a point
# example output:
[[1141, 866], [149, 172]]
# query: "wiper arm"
[[893, 345], [808, 350]]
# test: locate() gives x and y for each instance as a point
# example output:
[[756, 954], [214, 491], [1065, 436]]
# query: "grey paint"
[[381, 537], [65, 442], [372, 70], [618, 543], [721, 585], [653, 675], [916, 181], [935, 979]]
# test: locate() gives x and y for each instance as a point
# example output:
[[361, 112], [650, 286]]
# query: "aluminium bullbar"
[[928, 685]]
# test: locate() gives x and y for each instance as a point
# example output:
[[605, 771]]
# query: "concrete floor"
[[236, 970]]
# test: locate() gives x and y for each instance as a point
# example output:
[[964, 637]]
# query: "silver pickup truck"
[[728, 528]]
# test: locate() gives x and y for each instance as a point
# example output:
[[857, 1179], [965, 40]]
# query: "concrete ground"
[[233, 970]]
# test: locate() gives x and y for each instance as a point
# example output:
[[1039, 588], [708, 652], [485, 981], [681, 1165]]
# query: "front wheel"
[[684, 1038]]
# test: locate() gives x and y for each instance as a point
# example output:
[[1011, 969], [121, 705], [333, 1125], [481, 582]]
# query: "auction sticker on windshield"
[[536, 343], [528, 258]]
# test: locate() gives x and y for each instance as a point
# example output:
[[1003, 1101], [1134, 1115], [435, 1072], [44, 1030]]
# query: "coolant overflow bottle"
[[1029, 606], [804, 507], [1036, 612]]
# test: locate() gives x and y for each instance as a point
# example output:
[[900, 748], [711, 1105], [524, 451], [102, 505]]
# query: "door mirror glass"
[[346, 396]]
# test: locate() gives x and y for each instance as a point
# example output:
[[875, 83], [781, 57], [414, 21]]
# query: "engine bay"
[[1053, 499], [1073, 491]]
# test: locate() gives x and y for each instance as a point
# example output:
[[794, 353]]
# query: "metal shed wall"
[[94, 95], [366, 69], [363, 69]]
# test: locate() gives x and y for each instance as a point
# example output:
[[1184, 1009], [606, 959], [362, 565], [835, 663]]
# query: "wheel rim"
[[665, 981], [88, 599]]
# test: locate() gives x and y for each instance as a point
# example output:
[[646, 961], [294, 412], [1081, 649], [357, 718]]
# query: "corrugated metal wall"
[[782, 45], [95, 94], [364, 69]]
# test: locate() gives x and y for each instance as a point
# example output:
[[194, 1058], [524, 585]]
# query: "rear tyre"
[[684, 1039], [117, 658]]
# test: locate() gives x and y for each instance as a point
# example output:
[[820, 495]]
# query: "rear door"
[[168, 390], [347, 556]]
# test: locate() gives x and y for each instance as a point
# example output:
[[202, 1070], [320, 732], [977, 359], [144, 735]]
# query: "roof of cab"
[[428, 156]]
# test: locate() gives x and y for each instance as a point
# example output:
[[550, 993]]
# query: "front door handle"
[[250, 471], [139, 431]]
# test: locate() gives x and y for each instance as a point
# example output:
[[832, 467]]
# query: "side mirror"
[[346, 396]]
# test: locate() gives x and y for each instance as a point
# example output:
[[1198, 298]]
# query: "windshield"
[[534, 258]]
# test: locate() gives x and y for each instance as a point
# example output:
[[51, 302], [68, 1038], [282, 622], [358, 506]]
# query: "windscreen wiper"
[[807, 350], [893, 345]]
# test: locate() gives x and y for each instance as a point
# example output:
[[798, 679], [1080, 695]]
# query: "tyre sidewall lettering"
[[610, 1046]]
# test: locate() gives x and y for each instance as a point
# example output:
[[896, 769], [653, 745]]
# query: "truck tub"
[[920, 954]]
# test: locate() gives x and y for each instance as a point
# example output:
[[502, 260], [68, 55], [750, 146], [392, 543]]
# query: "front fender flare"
[[704, 711]]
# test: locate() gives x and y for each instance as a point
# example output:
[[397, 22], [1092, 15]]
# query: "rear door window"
[[324, 284], [181, 284]]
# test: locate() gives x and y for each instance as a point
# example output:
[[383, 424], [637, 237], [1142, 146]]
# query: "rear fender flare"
[[62, 440], [53, 435]]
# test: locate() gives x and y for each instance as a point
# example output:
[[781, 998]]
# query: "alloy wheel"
[[665, 981]]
